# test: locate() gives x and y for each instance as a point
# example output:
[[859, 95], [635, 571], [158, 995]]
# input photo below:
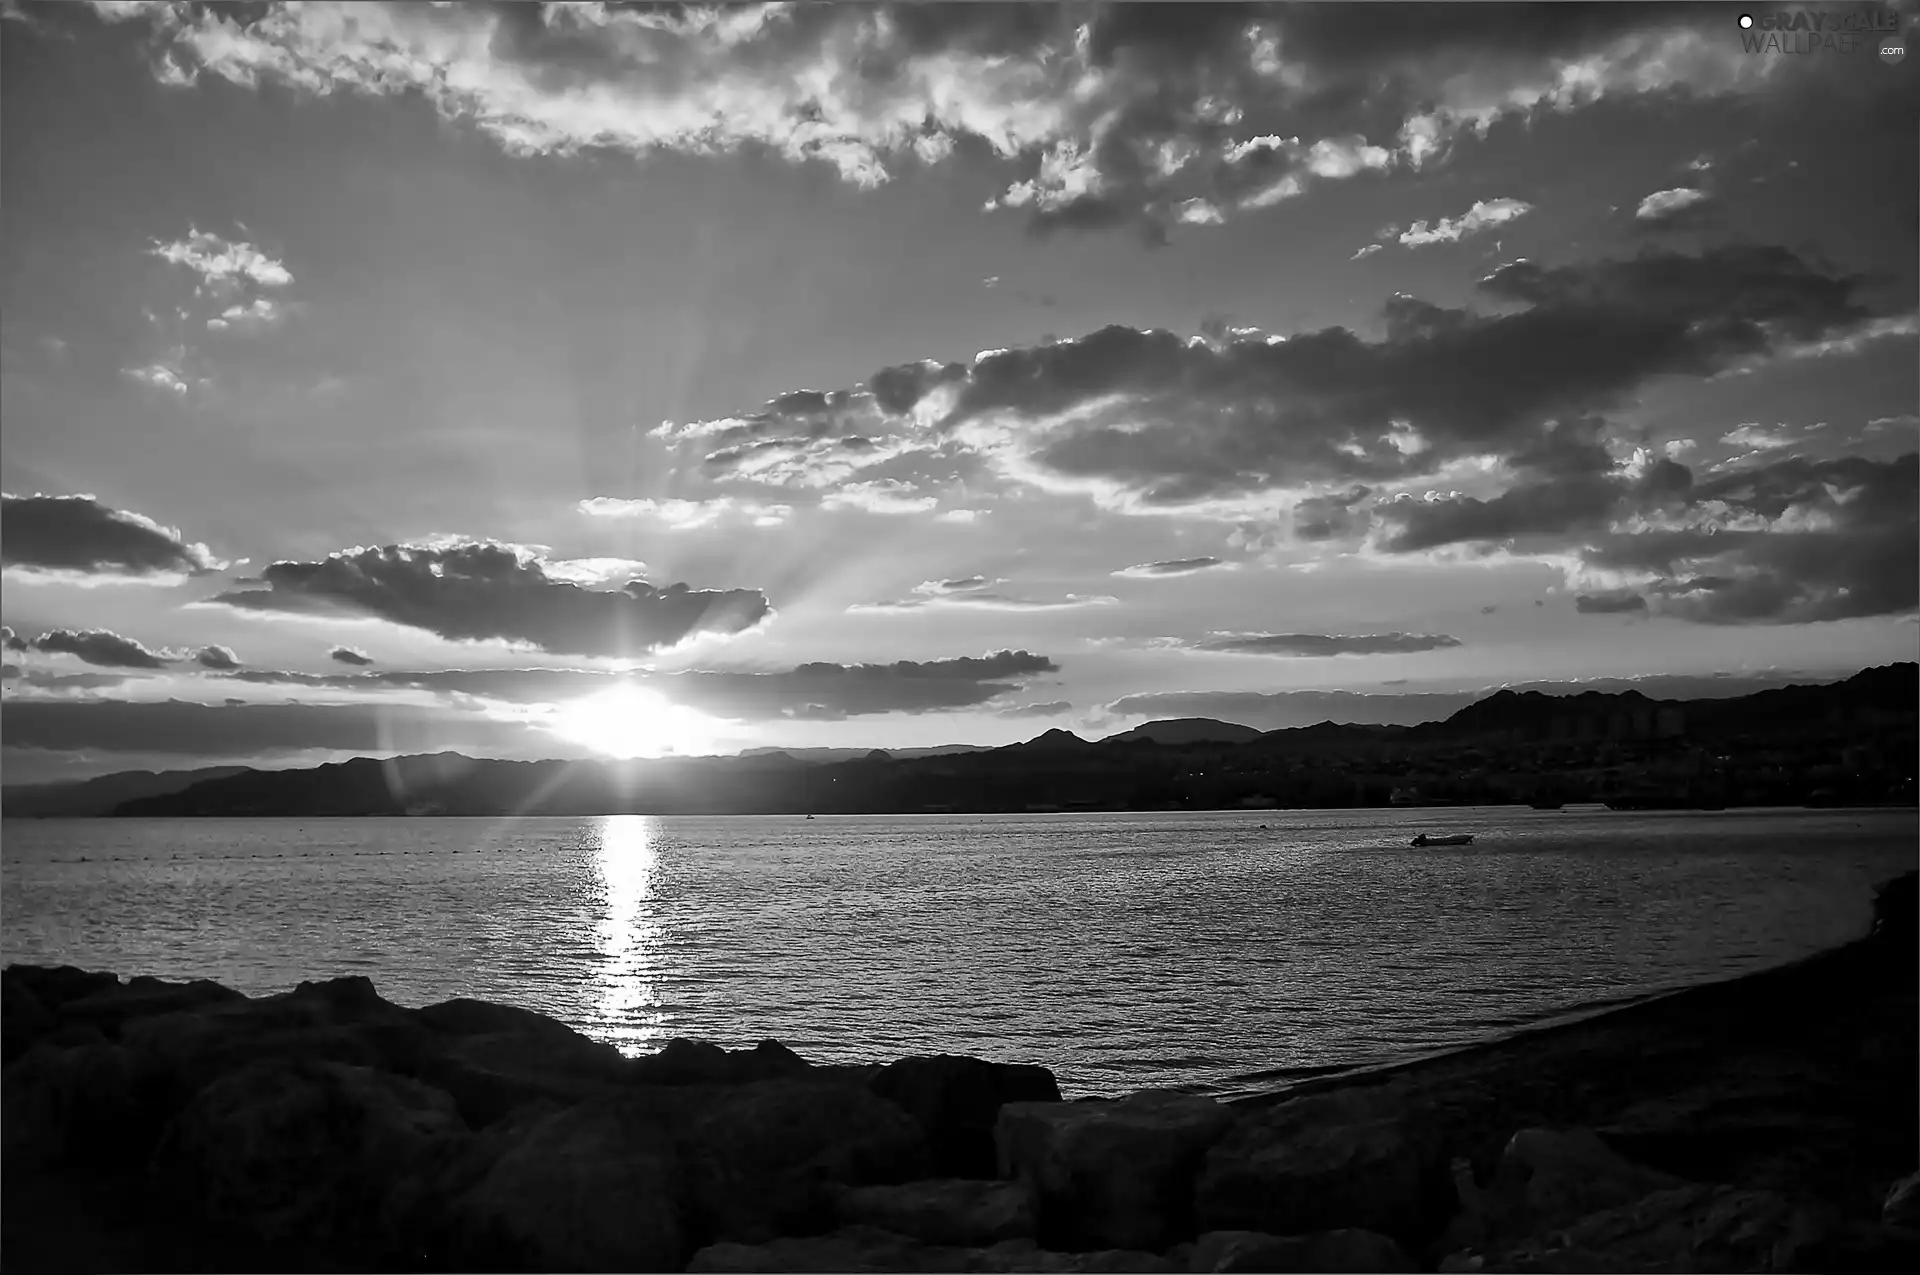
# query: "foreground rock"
[[1112, 1174], [1331, 1161], [870, 1249], [1332, 1251], [962, 1212], [957, 1101]]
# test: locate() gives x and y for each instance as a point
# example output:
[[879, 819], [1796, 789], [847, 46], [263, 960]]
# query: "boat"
[[1457, 839], [809, 816], [1549, 805]]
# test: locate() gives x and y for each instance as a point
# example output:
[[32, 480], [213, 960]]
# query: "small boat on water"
[[1457, 839]]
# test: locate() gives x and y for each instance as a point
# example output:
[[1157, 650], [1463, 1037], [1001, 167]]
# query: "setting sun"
[[634, 722]]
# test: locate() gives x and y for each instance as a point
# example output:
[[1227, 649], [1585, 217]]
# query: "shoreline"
[[184, 1126]]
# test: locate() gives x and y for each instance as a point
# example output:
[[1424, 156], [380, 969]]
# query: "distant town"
[[1852, 743]]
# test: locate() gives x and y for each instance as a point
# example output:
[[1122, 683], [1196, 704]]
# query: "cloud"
[[256, 730], [1752, 435], [10, 640], [1608, 603], [349, 655], [79, 536], [686, 515], [217, 657], [816, 690], [260, 312], [1148, 421], [1170, 567], [884, 496], [1669, 206], [223, 264], [101, 647], [964, 517], [160, 376], [1366, 250], [1485, 215], [1313, 645], [476, 591], [1052, 708], [981, 600], [1115, 116]]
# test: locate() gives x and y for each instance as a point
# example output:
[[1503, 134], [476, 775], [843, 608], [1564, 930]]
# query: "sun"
[[634, 722]]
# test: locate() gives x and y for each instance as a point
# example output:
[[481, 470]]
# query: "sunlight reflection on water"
[[628, 863]]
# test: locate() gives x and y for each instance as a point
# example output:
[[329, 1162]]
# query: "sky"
[[586, 380]]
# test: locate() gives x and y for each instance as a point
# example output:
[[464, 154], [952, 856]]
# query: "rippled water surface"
[[1121, 950]]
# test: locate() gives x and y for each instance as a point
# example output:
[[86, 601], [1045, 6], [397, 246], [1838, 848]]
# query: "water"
[[1197, 951]]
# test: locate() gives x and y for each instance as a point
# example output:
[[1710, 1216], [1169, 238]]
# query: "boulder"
[[111, 1008], [1547, 1178], [1336, 1251], [300, 1157], [73, 1106], [1327, 1161], [1902, 1205], [693, 1062], [869, 1249], [763, 1159], [491, 1074], [24, 1019], [955, 1211], [1694, 1228], [589, 1188], [957, 1099], [1115, 1174], [54, 985]]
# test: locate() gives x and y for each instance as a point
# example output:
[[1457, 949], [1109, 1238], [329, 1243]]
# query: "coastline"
[[175, 1124]]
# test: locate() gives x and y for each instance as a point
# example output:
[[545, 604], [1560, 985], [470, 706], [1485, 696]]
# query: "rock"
[[1117, 1174], [69, 1106], [111, 1008], [1327, 1161], [867, 1249], [591, 1188], [1341, 1251], [1545, 1179], [1895, 904], [299, 1157], [463, 1016], [954, 1211], [957, 1099], [1694, 1228], [1902, 1206], [853, 1249], [54, 985], [24, 1019], [763, 1159], [693, 1062]]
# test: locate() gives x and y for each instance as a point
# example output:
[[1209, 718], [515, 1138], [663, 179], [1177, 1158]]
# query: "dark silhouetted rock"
[[1547, 1178], [1894, 907], [870, 1249], [1116, 1174], [24, 1019], [1902, 1206], [956, 1211], [764, 1159], [590, 1188], [1328, 1161], [493, 1073], [79, 1105], [956, 1099], [1695, 1228], [1333, 1251], [694, 1062], [55, 985], [300, 1157]]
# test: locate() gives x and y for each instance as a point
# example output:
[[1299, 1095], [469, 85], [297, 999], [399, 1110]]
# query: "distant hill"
[[1849, 742], [822, 756], [1186, 730], [92, 798]]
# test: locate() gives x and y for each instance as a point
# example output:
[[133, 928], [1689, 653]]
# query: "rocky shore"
[[1768, 1123]]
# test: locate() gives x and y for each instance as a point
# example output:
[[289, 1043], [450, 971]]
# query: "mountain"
[[819, 756], [1850, 742], [1186, 730], [91, 798]]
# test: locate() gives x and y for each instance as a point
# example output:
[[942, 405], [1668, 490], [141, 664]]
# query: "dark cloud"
[[8, 672], [1052, 708], [1331, 517], [42, 679], [1171, 567], [1160, 419], [102, 647], [217, 657], [10, 640], [349, 655], [79, 534], [479, 591], [1311, 645], [1608, 603], [820, 690], [252, 730]]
